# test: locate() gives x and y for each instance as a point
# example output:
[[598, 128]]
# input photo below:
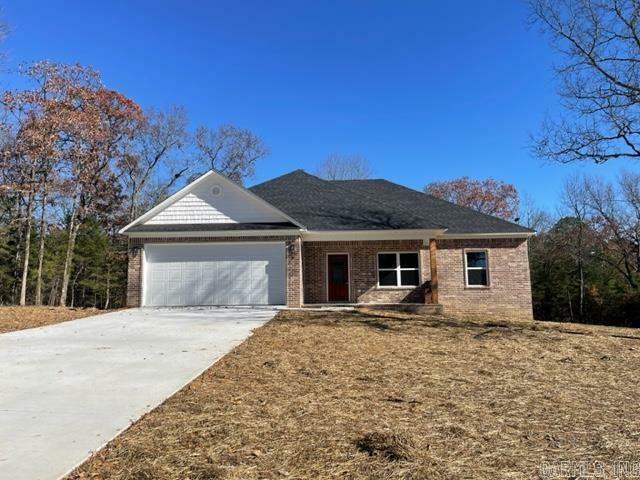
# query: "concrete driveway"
[[67, 389]]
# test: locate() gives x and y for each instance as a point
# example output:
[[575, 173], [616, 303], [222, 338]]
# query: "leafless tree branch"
[[599, 79]]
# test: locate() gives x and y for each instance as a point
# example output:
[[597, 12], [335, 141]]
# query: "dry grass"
[[391, 396], [19, 318]]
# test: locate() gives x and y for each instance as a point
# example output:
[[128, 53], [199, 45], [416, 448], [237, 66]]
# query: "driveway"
[[67, 389]]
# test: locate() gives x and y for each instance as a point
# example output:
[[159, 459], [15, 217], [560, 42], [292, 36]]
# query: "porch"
[[366, 273]]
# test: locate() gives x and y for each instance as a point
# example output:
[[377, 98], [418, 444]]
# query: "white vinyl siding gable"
[[232, 205]]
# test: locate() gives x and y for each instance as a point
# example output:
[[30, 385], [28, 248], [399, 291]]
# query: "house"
[[300, 240]]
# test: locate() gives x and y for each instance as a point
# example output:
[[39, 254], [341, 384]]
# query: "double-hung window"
[[476, 268], [398, 269]]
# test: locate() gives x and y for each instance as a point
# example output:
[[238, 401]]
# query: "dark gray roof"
[[321, 205], [458, 219], [372, 205], [211, 227]]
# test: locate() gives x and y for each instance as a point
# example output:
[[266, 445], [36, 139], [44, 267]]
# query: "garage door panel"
[[259, 297], [214, 274]]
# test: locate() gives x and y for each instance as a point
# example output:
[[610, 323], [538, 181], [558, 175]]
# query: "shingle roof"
[[322, 205], [372, 205], [211, 227]]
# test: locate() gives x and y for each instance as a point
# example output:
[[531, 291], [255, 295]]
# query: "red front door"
[[338, 281]]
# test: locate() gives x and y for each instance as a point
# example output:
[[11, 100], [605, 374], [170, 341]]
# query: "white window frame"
[[467, 267], [398, 269]]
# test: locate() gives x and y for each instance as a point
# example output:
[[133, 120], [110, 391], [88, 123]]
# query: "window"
[[398, 269], [477, 273]]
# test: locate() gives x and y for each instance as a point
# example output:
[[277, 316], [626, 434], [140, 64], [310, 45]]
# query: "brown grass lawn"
[[388, 395], [19, 318]]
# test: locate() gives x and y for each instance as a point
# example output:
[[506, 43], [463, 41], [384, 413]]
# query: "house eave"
[[332, 235], [216, 233], [354, 235], [464, 236]]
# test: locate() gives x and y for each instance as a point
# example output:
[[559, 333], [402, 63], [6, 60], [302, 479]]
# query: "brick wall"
[[509, 292], [363, 274], [134, 276], [292, 247], [294, 272]]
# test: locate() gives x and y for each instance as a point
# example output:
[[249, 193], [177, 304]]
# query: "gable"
[[216, 200], [212, 202]]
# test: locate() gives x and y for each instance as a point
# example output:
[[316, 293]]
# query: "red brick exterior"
[[509, 291], [292, 247], [508, 295], [294, 272], [134, 277], [363, 272]]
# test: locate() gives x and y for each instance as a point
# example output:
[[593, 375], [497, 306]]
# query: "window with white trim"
[[398, 269], [476, 268]]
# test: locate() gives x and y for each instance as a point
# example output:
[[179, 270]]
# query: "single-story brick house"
[[300, 240]]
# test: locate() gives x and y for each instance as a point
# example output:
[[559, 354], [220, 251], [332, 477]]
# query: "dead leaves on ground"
[[364, 395]]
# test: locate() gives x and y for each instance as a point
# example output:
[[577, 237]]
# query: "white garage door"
[[214, 274]]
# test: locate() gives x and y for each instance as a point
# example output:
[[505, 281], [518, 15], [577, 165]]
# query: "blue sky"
[[426, 90]]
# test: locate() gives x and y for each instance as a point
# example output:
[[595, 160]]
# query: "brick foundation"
[[363, 273], [509, 291]]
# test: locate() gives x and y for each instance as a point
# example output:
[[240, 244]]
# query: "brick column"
[[134, 276], [294, 272]]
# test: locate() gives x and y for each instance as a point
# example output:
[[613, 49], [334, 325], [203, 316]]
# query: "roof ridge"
[[355, 180], [297, 170]]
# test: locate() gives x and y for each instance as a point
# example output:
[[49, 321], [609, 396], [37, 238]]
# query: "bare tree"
[[344, 167], [159, 136], [44, 197], [629, 184], [98, 124], [615, 213], [228, 149], [574, 199], [599, 42], [32, 153], [18, 179], [532, 216]]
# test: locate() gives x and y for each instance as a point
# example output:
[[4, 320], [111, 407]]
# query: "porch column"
[[294, 272], [134, 275], [433, 249]]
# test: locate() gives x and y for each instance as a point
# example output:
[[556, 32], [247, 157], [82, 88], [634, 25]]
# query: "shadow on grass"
[[384, 320], [399, 322]]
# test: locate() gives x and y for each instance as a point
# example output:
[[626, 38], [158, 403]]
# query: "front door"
[[338, 273]]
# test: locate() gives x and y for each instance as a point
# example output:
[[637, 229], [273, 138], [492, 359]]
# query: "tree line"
[[77, 162], [585, 256], [585, 265]]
